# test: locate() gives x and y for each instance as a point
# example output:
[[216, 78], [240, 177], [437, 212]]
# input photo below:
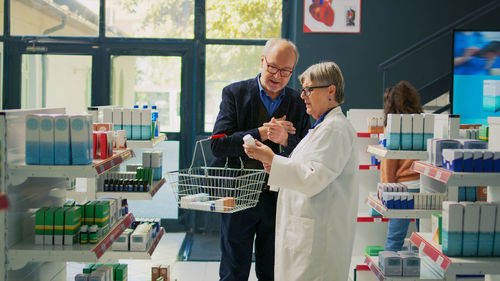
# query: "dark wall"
[[387, 28]]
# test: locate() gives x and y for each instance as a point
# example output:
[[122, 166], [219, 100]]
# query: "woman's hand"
[[259, 152]]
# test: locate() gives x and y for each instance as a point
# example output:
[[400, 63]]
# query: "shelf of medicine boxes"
[[156, 185], [26, 251], [130, 255], [459, 265], [455, 179], [376, 204], [97, 168], [146, 143], [372, 263], [396, 154]]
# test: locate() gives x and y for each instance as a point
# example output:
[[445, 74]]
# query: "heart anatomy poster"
[[332, 16]]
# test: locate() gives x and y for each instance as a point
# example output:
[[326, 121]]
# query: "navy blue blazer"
[[238, 116]]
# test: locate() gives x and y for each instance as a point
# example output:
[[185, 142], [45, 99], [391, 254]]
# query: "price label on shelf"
[[377, 220], [421, 247], [426, 171], [373, 167], [439, 260], [374, 136], [438, 174]]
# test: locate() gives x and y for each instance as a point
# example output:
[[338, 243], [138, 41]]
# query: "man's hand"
[[278, 130]]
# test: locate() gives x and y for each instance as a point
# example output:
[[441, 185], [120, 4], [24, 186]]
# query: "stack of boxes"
[[470, 229], [409, 131], [57, 139], [160, 273], [153, 159], [139, 237], [402, 263], [136, 122], [62, 225], [104, 272], [103, 137]]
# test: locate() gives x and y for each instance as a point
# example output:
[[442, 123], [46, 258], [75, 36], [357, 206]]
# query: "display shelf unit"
[[115, 255], [369, 167], [135, 195], [455, 179], [26, 250], [363, 135], [396, 154], [372, 263], [376, 204], [454, 266], [97, 168], [146, 143]]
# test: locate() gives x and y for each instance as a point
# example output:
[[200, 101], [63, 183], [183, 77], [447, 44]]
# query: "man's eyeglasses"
[[308, 90], [273, 70]]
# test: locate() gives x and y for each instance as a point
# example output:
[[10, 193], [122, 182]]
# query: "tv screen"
[[475, 93]]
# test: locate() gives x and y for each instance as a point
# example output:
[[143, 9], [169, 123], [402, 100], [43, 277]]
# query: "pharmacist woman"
[[318, 190], [404, 99]]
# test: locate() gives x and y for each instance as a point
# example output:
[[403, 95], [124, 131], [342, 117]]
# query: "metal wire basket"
[[216, 189]]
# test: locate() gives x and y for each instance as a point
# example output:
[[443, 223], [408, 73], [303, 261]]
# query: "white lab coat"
[[317, 203]]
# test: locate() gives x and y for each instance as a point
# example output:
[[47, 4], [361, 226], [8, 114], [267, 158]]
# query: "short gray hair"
[[326, 73], [272, 42]]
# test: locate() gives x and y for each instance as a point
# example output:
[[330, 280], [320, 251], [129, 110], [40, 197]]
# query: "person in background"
[[273, 114], [318, 190], [401, 98]]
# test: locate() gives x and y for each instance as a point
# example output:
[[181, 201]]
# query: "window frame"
[[101, 48]]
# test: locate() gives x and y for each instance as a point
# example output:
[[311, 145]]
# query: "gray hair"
[[326, 73], [274, 41]]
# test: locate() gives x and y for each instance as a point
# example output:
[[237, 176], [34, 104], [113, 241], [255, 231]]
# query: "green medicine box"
[[88, 268], [121, 273], [101, 216], [48, 234], [373, 250], [40, 225], [59, 225], [89, 213], [72, 223]]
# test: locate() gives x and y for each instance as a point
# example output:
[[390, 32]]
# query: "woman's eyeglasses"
[[308, 90]]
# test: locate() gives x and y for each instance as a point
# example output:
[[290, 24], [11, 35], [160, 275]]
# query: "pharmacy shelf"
[[396, 154], [376, 204], [136, 255], [97, 168], [455, 179], [368, 135], [135, 195], [4, 202], [457, 266], [146, 143], [372, 263], [26, 251], [369, 167]]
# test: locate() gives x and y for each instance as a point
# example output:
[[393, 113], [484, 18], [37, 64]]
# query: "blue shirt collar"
[[322, 117], [263, 93]]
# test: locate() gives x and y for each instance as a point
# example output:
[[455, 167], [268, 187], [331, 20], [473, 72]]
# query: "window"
[[244, 19], [1, 16], [150, 18], [149, 80], [54, 18], [56, 81], [226, 64]]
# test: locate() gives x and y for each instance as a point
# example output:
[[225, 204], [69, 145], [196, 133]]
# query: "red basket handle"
[[216, 136]]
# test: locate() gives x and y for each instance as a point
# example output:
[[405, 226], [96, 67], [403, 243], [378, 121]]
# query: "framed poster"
[[332, 16]]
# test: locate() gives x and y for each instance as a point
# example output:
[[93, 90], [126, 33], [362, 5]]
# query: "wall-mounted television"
[[475, 93]]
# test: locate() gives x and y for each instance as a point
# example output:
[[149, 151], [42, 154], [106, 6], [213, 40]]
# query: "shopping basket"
[[216, 189]]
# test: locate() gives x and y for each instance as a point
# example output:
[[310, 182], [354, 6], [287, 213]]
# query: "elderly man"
[[275, 115]]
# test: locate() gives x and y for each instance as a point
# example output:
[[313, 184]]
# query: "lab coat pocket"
[[299, 234]]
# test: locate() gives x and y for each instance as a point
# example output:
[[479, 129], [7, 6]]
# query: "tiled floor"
[[165, 254]]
